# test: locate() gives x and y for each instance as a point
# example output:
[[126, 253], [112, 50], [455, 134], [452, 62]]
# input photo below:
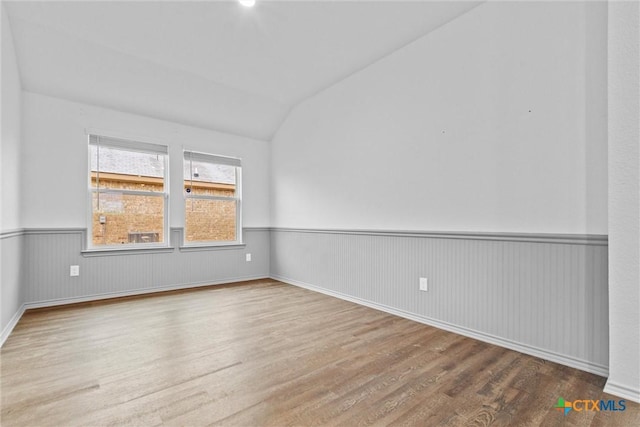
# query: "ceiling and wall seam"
[[67, 61], [28, 88], [138, 58], [147, 116], [370, 64]]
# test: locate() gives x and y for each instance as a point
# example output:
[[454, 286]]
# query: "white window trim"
[[130, 145], [217, 159]]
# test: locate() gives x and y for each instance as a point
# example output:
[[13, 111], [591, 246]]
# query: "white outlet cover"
[[74, 270], [248, 257], [424, 284]]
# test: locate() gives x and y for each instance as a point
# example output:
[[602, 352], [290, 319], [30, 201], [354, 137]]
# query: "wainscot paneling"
[[50, 252], [545, 295], [12, 290]]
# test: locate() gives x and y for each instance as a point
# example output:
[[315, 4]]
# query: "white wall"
[[624, 200], [10, 148], [54, 166], [494, 122]]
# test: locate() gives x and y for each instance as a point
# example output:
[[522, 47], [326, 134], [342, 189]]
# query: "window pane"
[[128, 170], [127, 219], [209, 172], [210, 220]]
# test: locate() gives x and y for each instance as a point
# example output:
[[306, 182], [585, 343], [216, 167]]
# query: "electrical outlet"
[[74, 270], [424, 284], [248, 257]]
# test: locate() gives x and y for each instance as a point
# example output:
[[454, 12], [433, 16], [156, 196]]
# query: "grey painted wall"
[[49, 253], [12, 291], [545, 295]]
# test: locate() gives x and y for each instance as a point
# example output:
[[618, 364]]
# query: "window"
[[128, 193], [212, 199]]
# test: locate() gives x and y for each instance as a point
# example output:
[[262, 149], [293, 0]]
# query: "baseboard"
[[622, 391], [12, 324], [134, 292], [481, 336]]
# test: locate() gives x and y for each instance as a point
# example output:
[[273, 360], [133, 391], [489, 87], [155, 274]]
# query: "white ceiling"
[[211, 64]]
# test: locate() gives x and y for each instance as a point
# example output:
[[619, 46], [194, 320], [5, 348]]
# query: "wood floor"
[[266, 353]]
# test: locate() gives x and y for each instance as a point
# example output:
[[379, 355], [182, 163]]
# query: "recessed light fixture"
[[247, 3]]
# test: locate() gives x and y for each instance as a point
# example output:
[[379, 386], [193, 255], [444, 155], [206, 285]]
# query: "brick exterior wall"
[[207, 220], [141, 217]]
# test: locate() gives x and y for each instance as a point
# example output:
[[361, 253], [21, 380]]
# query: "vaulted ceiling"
[[212, 64]]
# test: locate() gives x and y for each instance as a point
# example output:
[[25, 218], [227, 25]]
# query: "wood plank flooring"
[[264, 353]]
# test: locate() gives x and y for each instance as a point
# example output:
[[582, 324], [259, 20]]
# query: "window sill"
[[211, 247], [96, 252]]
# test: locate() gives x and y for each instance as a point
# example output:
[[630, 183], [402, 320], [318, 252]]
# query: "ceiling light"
[[247, 3]]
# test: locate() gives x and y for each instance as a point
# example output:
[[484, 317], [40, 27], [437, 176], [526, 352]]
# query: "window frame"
[[236, 162], [132, 145]]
